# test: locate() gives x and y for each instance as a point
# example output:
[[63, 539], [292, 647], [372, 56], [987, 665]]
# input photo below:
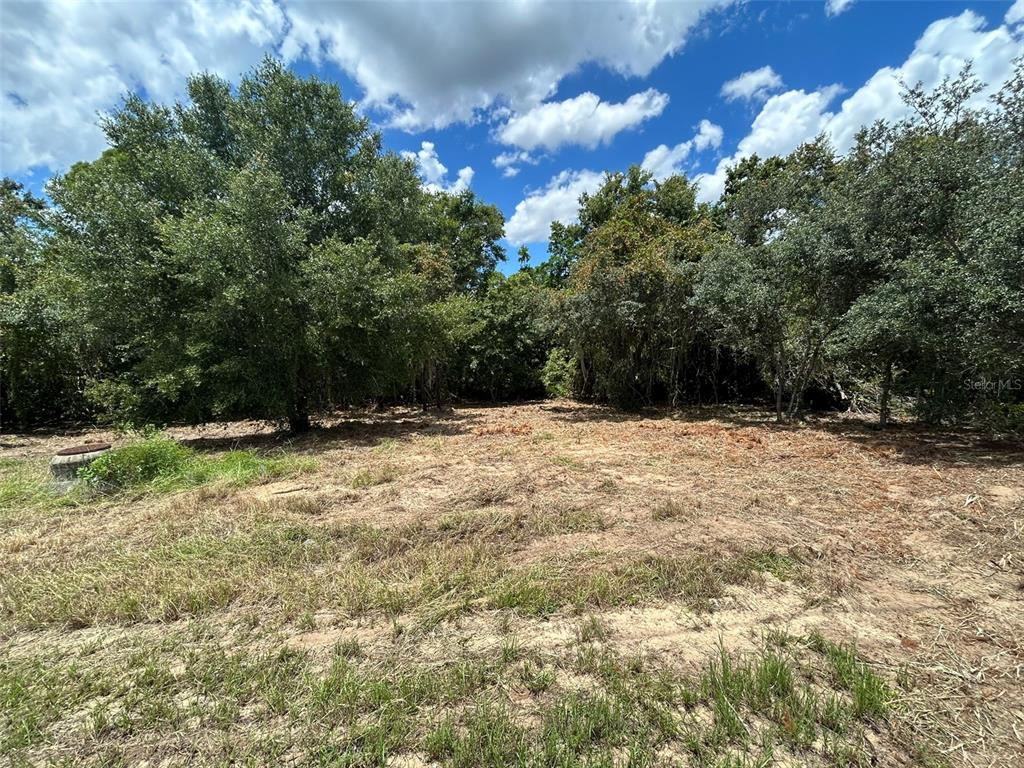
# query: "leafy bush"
[[165, 465], [559, 372], [155, 457]]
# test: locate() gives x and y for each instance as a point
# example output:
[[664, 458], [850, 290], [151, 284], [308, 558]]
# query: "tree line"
[[255, 252]]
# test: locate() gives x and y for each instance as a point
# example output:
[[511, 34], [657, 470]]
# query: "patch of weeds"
[[349, 649], [373, 544], [569, 463], [591, 629], [872, 696], [173, 577], [26, 487], [511, 649], [368, 477], [386, 445], [778, 565], [581, 584], [580, 721], [160, 464], [672, 509], [490, 739], [518, 526], [440, 743], [536, 677], [740, 710]]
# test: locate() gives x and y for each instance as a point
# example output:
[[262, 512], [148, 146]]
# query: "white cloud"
[[791, 118], [65, 61], [1016, 13], [433, 64], [754, 85], [664, 161], [433, 171], [558, 201], [462, 181], [583, 120], [708, 135], [835, 7], [508, 162], [424, 64]]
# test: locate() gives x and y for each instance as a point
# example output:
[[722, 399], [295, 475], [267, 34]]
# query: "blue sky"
[[562, 91]]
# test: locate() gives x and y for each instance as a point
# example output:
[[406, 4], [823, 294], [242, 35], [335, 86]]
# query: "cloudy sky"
[[526, 103]]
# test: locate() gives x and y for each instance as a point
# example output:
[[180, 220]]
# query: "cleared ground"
[[546, 584]]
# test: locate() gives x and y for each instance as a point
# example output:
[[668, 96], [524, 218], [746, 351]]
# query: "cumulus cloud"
[[508, 162], [64, 62], [835, 7], [664, 161], [1016, 13], [424, 64], [433, 64], [434, 172], [557, 201], [583, 120], [756, 84], [788, 119]]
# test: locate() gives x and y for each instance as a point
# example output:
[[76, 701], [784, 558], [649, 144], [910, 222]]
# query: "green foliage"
[[559, 373], [626, 316], [254, 253], [143, 462], [737, 710], [38, 366], [162, 464], [505, 340]]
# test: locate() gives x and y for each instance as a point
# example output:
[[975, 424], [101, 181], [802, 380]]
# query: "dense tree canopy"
[[255, 252]]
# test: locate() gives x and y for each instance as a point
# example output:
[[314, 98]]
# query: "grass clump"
[[871, 695], [161, 464], [672, 509], [25, 487], [365, 710], [582, 584], [371, 476]]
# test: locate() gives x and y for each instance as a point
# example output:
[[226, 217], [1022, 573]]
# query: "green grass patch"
[[355, 710], [25, 488], [583, 584], [371, 476], [778, 565], [194, 565], [163, 465]]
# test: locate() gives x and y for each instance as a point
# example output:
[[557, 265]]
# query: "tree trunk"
[[298, 416], [778, 386], [298, 423], [883, 410]]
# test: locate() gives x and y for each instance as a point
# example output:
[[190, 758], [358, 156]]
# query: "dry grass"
[[549, 584]]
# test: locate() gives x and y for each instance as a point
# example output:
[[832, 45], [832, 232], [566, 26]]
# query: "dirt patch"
[[909, 543]]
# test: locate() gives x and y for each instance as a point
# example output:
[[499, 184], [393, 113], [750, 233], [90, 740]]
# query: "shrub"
[[165, 465], [559, 373], [143, 462]]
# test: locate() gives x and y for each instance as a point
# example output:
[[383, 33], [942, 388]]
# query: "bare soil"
[[909, 542]]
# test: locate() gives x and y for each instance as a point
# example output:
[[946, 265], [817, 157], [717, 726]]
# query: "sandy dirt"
[[911, 541]]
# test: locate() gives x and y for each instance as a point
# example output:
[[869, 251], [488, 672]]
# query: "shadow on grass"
[[362, 428], [908, 443]]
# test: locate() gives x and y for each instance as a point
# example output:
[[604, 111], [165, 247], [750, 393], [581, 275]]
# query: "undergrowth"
[[161, 464]]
